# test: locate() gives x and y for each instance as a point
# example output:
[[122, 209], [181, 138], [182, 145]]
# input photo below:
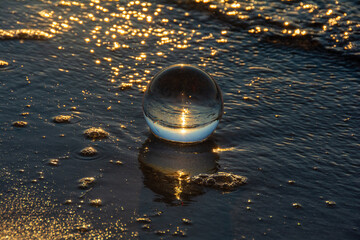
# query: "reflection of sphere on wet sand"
[[171, 187], [168, 167], [170, 157]]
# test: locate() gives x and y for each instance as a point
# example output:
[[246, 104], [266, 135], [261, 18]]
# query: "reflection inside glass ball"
[[182, 103]]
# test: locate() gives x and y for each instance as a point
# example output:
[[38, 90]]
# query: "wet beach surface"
[[289, 73]]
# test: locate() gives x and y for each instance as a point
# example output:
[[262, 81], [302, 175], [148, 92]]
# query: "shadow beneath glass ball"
[[168, 167]]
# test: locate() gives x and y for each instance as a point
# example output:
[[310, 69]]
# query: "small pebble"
[[88, 151], [24, 114], [296, 205], [179, 232], [34, 181], [158, 213], [291, 182], [54, 162], [95, 202], [20, 124], [21, 170], [160, 232], [86, 182], [330, 203], [62, 119], [68, 202], [83, 228], [119, 163], [143, 220], [145, 226], [186, 221]]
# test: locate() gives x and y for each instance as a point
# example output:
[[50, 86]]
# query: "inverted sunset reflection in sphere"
[[182, 103]]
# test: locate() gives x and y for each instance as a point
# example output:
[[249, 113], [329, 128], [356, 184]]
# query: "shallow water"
[[291, 104]]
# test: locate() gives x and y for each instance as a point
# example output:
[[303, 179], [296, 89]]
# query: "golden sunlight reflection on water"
[[140, 26], [142, 31]]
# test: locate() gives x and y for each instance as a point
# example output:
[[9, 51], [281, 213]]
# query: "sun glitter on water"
[[183, 103]]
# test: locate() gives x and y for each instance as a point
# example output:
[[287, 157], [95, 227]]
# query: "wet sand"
[[73, 75]]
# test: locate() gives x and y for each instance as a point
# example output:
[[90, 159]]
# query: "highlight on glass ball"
[[182, 103]]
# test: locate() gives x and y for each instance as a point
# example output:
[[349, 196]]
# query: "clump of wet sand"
[[86, 182], [220, 180], [54, 162], [96, 133], [88, 151], [96, 202], [62, 119], [20, 124], [3, 63]]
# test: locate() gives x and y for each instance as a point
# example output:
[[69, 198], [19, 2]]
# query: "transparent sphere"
[[182, 103]]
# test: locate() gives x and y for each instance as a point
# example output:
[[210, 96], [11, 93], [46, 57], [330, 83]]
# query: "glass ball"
[[182, 103]]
